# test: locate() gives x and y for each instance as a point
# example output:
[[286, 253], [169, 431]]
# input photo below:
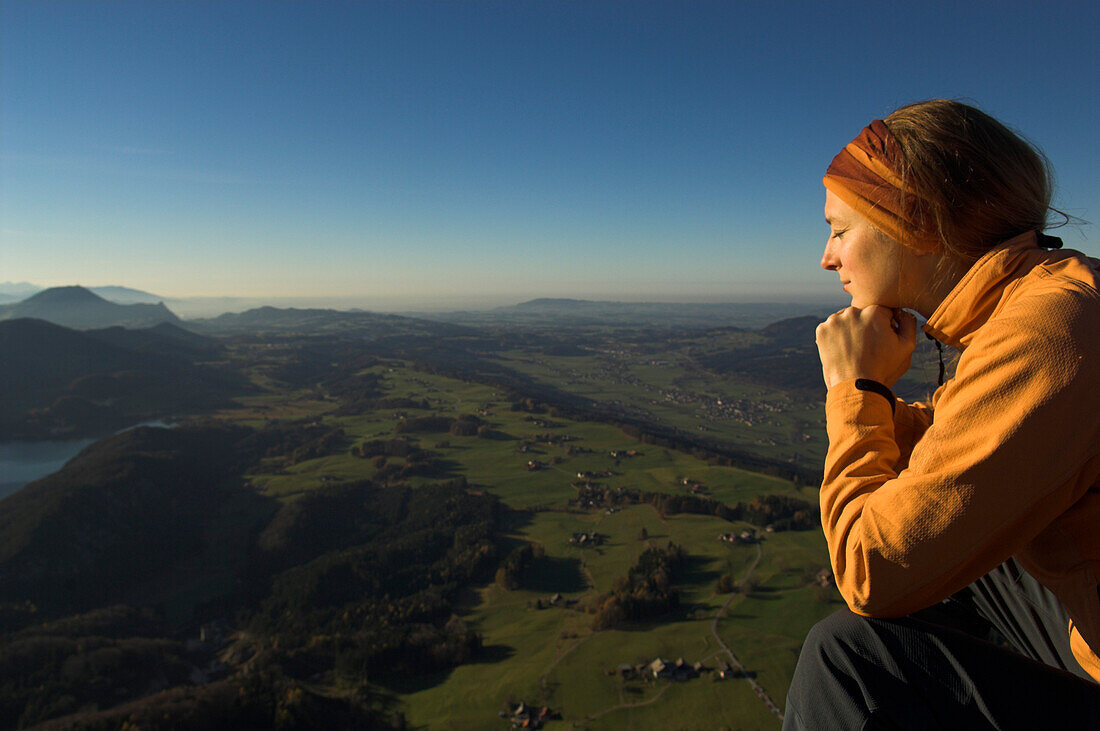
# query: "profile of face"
[[872, 267]]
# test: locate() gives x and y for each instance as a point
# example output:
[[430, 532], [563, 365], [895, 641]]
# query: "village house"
[[679, 670], [745, 536], [586, 539], [526, 716]]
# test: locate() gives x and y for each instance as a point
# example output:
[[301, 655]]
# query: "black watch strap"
[[866, 384]]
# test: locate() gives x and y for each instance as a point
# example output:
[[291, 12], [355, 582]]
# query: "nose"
[[829, 259]]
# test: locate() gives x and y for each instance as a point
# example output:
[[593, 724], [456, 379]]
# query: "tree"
[[643, 534], [725, 584]]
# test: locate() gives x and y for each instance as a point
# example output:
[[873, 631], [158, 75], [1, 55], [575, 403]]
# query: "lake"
[[23, 462]]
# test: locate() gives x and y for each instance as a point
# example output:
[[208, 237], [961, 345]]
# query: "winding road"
[[756, 687]]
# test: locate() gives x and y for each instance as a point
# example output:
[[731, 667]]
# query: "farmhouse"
[[745, 536], [525, 716]]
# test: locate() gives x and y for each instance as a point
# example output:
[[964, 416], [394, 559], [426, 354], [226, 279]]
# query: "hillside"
[[127, 508], [150, 532], [57, 382], [81, 309], [165, 338]]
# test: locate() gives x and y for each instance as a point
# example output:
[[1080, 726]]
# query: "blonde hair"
[[968, 180]]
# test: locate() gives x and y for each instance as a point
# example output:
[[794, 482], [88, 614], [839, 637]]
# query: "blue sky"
[[647, 151]]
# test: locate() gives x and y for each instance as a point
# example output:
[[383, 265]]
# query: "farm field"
[[673, 389], [539, 643]]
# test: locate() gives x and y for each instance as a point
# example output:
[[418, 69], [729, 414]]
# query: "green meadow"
[[551, 655]]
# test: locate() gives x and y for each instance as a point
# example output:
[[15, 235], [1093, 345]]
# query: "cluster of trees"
[[131, 507], [645, 592], [354, 579], [466, 425], [779, 511], [375, 599], [713, 453], [262, 699], [296, 441], [509, 575], [351, 382], [328, 442], [399, 447], [416, 462], [530, 405], [366, 405], [98, 658], [426, 424]]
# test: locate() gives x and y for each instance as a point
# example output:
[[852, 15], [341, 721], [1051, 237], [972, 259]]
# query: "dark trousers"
[[948, 667]]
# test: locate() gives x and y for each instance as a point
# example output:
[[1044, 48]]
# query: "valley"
[[572, 457]]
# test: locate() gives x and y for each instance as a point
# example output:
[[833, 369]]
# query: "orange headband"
[[864, 175]]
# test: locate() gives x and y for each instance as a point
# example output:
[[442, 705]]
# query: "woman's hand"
[[873, 342]]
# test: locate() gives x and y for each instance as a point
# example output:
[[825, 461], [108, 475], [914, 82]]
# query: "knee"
[[833, 651], [839, 632], [826, 690]]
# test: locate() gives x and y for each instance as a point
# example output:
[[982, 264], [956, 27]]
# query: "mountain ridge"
[[79, 308]]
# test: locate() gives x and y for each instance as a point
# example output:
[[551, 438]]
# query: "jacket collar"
[[975, 298]]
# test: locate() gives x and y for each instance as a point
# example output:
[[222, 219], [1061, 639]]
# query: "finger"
[[907, 326], [878, 315]]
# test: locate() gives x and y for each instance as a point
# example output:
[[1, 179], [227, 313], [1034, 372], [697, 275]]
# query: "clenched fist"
[[872, 342]]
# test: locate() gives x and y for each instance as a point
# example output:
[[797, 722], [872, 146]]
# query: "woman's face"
[[871, 265]]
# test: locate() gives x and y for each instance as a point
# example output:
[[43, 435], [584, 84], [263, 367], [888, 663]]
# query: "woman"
[[981, 509]]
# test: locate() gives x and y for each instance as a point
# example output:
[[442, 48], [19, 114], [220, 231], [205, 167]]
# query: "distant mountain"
[[18, 290], [79, 308], [575, 312], [785, 357], [795, 332], [274, 319], [127, 296], [56, 382], [542, 303]]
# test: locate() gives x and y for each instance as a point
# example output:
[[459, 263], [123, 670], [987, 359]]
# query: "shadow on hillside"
[[402, 683], [555, 575], [694, 571], [496, 435], [493, 653], [440, 468]]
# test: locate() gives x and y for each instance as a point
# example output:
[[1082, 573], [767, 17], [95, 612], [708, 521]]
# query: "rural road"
[[756, 687]]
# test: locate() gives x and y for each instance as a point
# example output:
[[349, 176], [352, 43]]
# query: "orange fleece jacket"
[[1004, 461]]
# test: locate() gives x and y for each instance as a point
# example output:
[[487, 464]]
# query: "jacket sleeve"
[[910, 423], [992, 469]]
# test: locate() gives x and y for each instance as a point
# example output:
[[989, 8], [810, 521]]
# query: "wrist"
[[872, 386]]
